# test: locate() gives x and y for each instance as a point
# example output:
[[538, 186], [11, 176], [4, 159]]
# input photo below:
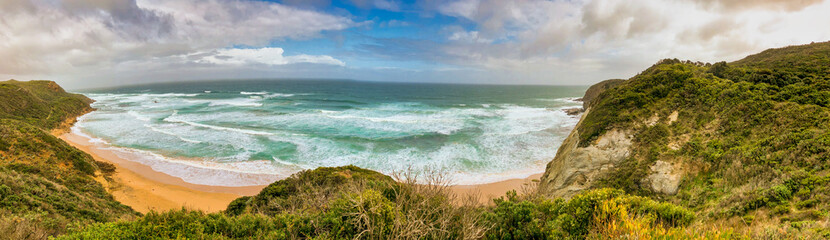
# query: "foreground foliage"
[[353, 203]]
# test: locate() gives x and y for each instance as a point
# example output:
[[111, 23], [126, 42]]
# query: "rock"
[[665, 177], [575, 168], [598, 88], [673, 117], [652, 120], [573, 111]]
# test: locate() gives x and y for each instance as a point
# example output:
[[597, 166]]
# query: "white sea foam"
[[522, 120], [569, 100], [138, 116], [77, 131], [291, 164], [253, 93], [279, 95], [245, 131], [241, 102], [154, 129], [443, 122], [236, 102], [401, 119], [500, 141], [232, 174]]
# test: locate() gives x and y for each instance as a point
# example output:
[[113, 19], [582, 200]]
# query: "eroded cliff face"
[[575, 168]]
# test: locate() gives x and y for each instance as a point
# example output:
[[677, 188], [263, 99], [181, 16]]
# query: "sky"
[[102, 43]]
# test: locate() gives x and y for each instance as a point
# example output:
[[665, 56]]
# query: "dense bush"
[[542, 218], [311, 190]]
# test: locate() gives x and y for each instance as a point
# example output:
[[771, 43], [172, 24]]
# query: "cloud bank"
[[65, 38], [110, 42], [267, 56], [574, 41]]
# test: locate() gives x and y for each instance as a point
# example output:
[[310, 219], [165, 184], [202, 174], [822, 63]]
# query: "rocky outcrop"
[[598, 88], [575, 168], [664, 178], [573, 111]]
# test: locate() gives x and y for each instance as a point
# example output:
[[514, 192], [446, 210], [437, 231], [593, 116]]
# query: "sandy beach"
[[486, 192], [144, 189]]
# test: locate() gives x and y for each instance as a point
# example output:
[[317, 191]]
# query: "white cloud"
[[462, 8], [468, 36], [583, 41], [267, 56], [395, 23], [529, 41], [67, 38], [218, 22], [387, 5]]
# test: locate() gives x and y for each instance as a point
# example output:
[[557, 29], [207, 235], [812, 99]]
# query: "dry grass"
[[432, 210], [15, 228]]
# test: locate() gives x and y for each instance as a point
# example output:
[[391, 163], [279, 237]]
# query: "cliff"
[[746, 141], [574, 167], [47, 186]]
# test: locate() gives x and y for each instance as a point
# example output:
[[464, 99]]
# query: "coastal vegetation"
[[42, 104], [750, 138], [46, 186], [353, 203]]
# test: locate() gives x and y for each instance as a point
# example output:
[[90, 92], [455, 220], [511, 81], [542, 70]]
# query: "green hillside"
[[42, 104], [47, 186], [751, 138]]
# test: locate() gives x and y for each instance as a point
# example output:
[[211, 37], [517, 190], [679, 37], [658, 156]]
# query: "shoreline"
[[144, 189]]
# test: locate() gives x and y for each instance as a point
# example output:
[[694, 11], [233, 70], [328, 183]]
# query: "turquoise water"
[[473, 133]]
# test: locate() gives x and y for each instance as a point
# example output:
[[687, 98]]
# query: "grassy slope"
[[753, 136], [47, 186], [42, 104]]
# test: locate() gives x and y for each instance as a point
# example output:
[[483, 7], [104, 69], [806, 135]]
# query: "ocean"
[[472, 134]]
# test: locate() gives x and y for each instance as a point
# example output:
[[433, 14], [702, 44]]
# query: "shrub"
[[575, 218]]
